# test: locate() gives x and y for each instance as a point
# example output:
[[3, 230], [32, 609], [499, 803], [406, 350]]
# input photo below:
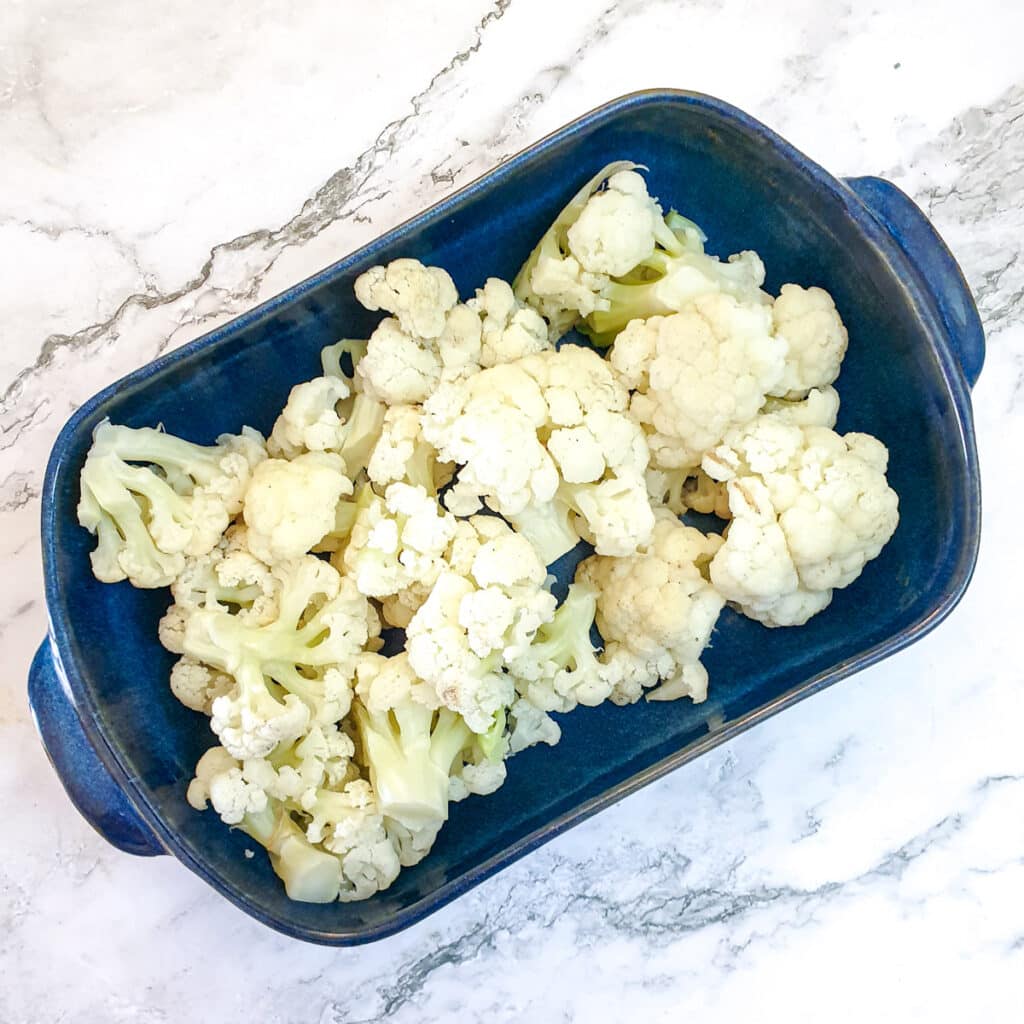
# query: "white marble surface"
[[852, 859]]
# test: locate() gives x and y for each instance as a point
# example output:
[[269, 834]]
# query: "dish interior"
[[746, 193]]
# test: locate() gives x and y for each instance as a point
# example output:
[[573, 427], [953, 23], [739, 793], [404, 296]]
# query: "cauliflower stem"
[[410, 750], [310, 875]]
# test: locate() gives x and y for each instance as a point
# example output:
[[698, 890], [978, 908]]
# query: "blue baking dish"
[[125, 749]]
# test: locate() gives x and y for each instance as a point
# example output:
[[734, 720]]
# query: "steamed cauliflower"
[[433, 337], [402, 454], [809, 509], [397, 548], [418, 297], [482, 610], [618, 227], [543, 437], [508, 329], [816, 339], [151, 499], [698, 373], [427, 479], [656, 611], [611, 257], [290, 505]]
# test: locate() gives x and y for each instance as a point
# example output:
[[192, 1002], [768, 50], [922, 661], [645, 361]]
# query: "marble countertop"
[[852, 859]]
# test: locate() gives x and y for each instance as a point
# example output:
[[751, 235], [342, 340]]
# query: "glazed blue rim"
[[953, 374]]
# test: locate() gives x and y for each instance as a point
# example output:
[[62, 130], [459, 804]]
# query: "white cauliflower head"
[[309, 651], [611, 257], [810, 508], [488, 424], [349, 823], [697, 374], [418, 297], [486, 608], [398, 544], [230, 577], [657, 605], [553, 280], [398, 368], [197, 685], [560, 668], [439, 651], [617, 227], [290, 505], [549, 429], [402, 453], [408, 356], [508, 329], [530, 725], [321, 758], [148, 517], [816, 339], [310, 420], [218, 780]]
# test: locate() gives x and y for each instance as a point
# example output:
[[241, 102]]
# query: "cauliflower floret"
[[310, 875], [402, 454], [530, 726], [672, 279], [562, 292], [171, 629], [310, 420], [229, 577], [698, 373], [611, 257], [488, 424], [601, 453], [350, 824], [560, 668], [309, 651], [290, 506], [540, 437], [810, 508], [250, 721], [616, 514], [147, 518], [419, 296], [219, 781], [479, 770], [816, 338], [552, 280], [409, 356], [322, 415], [397, 547], [818, 408], [398, 369], [617, 228], [409, 744], [509, 330], [197, 685], [439, 646], [440, 652], [321, 758], [656, 603], [629, 673], [384, 683], [399, 440], [682, 489]]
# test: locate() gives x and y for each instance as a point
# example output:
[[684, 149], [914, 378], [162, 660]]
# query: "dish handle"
[[915, 235], [90, 786]]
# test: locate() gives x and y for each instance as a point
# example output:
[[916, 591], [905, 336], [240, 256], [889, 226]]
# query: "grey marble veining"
[[852, 859]]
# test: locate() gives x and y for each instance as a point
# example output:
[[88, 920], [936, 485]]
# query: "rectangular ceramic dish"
[[125, 748]]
